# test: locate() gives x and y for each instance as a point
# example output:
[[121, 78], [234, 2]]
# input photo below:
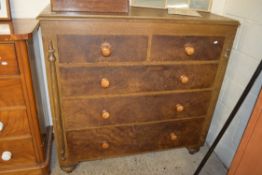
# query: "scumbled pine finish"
[[123, 84]]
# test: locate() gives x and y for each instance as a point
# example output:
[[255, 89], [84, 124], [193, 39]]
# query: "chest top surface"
[[136, 13]]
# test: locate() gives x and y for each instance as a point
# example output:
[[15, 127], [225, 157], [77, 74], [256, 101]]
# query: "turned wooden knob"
[[184, 79], [189, 50], [105, 83], [105, 114], [179, 108], [105, 145], [106, 49], [173, 136]]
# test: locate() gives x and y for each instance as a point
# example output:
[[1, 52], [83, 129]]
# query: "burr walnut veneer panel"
[[135, 109], [82, 81], [124, 140], [87, 48]]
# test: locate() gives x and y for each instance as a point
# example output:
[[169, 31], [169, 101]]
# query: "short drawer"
[[123, 110], [81, 81], [13, 123], [11, 93], [22, 153], [101, 48], [124, 140], [8, 61], [179, 48]]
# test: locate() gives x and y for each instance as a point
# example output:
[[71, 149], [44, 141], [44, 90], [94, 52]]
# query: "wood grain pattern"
[[166, 47], [8, 61], [22, 153], [81, 81], [15, 123], [22, 48], [124, 140], [87, 48], [90, 5], [11, 93], [123, 110]]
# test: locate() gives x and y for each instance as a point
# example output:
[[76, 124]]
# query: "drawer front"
[[91, 49], [179, 48], [134, 109], [13, 123], [22, 152], [124, 140], [81, 81], [8, 61], [11, 93]]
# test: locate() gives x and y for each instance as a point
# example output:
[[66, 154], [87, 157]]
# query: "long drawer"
[[124, 140], [133, 109], [13, 123], [22, 152], [83, 81], [11, 93]]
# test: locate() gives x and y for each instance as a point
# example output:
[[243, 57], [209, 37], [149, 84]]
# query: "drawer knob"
[[105, 83], [173, 136], [189, 50], [1, 126], [3, 63], [184, 79], [105, 145], [179, 108], [6, 156], [106, 49], [105, 114]]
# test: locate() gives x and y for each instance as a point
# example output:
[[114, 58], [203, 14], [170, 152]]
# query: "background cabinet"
[[23, 150]]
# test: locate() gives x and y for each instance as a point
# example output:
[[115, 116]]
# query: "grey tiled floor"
[[171, 162]]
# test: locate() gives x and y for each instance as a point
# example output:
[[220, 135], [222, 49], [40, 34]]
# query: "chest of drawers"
[[126, 84], [23, 150]]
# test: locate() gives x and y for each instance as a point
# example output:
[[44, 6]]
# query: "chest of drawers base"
[[122, 85]]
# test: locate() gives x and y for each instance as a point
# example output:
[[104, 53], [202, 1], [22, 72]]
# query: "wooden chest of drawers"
[[134, 83], [22, 148]]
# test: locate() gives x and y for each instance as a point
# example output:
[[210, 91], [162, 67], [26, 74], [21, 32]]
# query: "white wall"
[[27, 8], [245, 57]]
